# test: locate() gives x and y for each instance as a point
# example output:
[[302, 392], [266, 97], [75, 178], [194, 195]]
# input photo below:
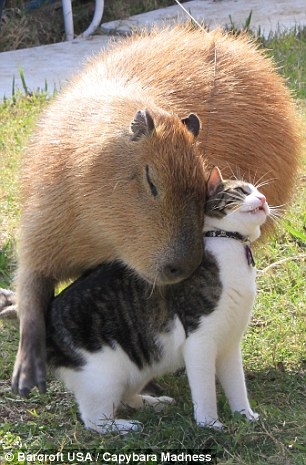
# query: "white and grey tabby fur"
[[109, 334]]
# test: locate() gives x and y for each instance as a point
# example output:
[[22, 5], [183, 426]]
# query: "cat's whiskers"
[[237, 174], [152, 290], [277, 207], [228, 206], [239, 197], [263, 180], [274, 218], [235, 196], [233, 209], [257, 182], [236, 202], [276, 212], [264, 183], [233, 206], [233, 173]]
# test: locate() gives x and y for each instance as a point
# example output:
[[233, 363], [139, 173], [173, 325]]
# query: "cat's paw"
[[158, 403], [116, 426], [249, 414], [252, 416], [210, 423], [127, 426]]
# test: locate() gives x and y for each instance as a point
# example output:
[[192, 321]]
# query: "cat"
[[110, 333]]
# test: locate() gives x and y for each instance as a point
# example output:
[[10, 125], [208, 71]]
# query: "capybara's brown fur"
[[97, 187]]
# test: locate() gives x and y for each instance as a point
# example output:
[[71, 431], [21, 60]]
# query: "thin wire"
[[212, 94], [191, 17]]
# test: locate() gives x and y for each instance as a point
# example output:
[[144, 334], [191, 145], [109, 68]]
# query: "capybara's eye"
[[151, 185]]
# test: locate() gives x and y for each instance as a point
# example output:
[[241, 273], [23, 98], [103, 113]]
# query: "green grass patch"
[[289, 52], [288, 49], [274, 346]]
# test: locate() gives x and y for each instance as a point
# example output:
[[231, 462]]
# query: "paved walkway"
[[54, 64]]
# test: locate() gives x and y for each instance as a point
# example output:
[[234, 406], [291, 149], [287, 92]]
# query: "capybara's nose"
[[175, 272]]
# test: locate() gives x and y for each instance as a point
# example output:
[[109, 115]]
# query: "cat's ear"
[[215, 178]]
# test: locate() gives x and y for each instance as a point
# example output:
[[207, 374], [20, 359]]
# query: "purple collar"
[[237, 237]]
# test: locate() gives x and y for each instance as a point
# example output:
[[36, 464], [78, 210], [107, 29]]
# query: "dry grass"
[[22, 28]]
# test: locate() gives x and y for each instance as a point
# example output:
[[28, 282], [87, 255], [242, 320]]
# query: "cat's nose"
[[263, 199]]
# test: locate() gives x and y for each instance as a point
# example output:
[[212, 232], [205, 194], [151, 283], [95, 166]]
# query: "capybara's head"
[[154, 186]]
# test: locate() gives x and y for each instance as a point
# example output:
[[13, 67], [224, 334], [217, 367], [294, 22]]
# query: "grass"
[[22, 28], [274, 346], [16, 119], [288, 50]]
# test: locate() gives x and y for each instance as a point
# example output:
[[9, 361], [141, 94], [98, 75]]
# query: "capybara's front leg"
[[34, 293]]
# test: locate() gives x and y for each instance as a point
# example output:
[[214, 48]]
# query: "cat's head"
[[234, 206]]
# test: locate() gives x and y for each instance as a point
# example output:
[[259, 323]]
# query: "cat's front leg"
[[231, 376], [199, 355]]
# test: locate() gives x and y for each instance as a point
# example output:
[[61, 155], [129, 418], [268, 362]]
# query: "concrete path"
[[49, 64], [269, 15], [53, 65]]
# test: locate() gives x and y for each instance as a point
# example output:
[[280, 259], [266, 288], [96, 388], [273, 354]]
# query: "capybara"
[[115, 169]]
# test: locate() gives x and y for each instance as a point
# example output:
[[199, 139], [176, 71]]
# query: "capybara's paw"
[[29, 371]]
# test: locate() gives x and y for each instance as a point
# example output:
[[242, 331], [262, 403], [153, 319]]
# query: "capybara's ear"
[[192, 123], [142, 124], [215, 178]]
